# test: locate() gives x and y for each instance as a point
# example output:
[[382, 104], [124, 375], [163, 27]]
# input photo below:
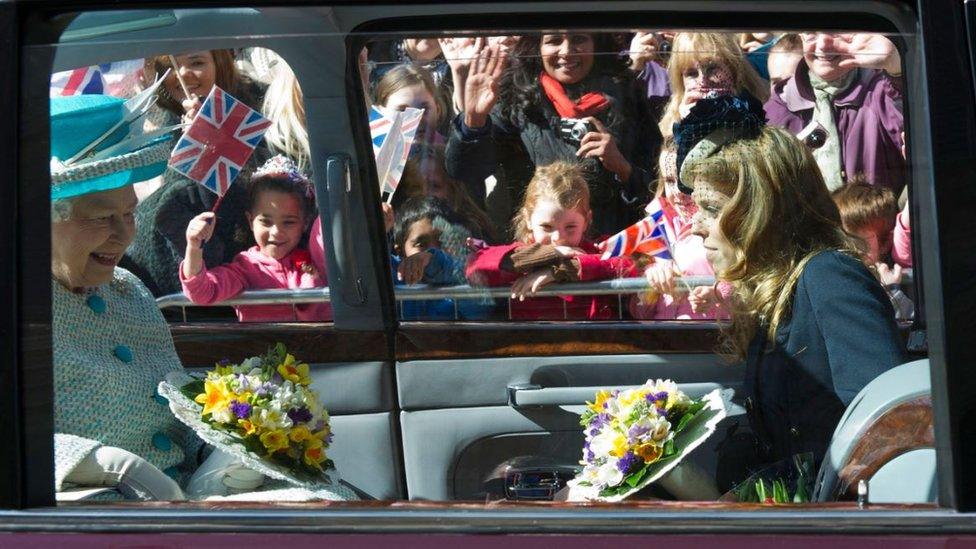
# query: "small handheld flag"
[[219, 141], [648, 236], [393, 133]]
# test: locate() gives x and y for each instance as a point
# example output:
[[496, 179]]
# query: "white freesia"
[[608, 474], [223, 415]]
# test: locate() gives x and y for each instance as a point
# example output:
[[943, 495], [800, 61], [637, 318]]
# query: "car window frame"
[[30, 443]]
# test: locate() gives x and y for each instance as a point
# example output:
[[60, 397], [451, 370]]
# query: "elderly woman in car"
[[111, 345]]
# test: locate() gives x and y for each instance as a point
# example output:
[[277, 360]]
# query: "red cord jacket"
[[485, 269]]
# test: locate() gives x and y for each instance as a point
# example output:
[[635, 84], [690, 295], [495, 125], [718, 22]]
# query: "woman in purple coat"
[[845, 101]]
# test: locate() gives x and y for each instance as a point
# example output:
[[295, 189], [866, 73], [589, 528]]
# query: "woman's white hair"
[[61, 210]]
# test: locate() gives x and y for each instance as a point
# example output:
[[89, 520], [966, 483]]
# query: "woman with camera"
[[565, 97]]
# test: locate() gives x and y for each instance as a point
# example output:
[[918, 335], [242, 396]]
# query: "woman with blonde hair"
[[812, 323], [703, 64], [284, 105]]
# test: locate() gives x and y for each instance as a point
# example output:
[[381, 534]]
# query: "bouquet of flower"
[[635, 436], [266, 405]]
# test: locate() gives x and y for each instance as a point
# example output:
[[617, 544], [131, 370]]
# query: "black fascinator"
[[713, 122]]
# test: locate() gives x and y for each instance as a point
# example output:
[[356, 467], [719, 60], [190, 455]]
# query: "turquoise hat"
[[97, 144]]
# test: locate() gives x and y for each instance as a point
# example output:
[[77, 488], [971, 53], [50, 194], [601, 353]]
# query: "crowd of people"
[[507, 117], [511, 127]]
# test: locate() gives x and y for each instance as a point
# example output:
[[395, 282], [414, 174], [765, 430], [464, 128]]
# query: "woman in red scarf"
[[517, 115]]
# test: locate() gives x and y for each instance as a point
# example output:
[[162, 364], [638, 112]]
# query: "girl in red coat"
[[551, 247]]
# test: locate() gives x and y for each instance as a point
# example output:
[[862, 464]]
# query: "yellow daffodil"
[[620, 446], [601, 397], [649, 452], [630, 397], [291, 370], [324, 433], [274, 441], [314, 452], [215, 397], [299, 434], [249, 428]]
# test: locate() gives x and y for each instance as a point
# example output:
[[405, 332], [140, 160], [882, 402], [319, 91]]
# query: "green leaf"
[[192, 389]]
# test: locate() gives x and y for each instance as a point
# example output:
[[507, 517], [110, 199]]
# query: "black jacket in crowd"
[[511, 145]]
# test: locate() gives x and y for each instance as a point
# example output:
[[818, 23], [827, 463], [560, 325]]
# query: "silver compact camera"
[[572, 130]]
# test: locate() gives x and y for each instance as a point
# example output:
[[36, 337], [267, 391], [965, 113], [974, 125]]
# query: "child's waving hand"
[[200, 229]]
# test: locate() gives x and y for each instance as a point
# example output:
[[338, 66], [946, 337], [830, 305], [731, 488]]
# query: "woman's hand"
[[643, 48], [132, 475], [411, 269], [661, 275], [869, 51], [600, 144], [191, 106], [889, 275], [481, 87], [460, 53], [530, 283], [200, 229]]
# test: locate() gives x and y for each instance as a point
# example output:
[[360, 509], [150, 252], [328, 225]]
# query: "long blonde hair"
[[780, 215], [689, 48], [284, 105], [560, 182]]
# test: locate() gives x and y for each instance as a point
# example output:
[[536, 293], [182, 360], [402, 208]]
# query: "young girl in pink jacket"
[[281, 208], [664, 302], [550, 226]]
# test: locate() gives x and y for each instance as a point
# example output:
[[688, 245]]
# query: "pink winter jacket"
[[901, 242], [252, 270], [688, 251]]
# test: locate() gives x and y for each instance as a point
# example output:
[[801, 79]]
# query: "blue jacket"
[[442, 269], [840, 336]]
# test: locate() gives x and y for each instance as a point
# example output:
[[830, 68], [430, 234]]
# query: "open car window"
[[456, 178]]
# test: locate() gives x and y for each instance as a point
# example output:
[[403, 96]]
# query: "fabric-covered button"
[[96, 304], [162, 442], [123, 353], [172, 472], [160, 399]]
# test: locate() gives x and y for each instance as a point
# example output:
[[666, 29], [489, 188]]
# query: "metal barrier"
[[419, 292]]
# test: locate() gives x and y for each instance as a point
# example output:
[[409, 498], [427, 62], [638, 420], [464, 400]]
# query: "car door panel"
[[461, 433]]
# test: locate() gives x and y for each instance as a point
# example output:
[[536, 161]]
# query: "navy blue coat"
[[840, 336]]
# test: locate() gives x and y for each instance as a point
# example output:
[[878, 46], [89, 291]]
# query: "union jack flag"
[[221, 138], [648, 236], [118, 79], [392, 134]]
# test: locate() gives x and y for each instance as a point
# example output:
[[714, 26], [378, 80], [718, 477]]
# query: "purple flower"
[[590, 456], [636, 431], [654, 397], [626, 463], [264, 389], [223, 362], [300, 415], [240, 409], [599, 421]]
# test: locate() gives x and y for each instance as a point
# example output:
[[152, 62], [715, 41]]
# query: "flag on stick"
[[218, 143], [393, 133], [648, 236]]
